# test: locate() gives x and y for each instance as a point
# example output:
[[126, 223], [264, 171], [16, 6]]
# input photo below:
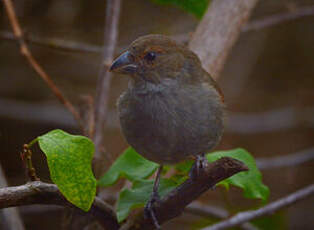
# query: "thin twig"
[[290, 160], [35, 65], [11, 216], [266, 210], [241, 123], [74, 46], [208, 211], [272, 20], [55, 43], [104, 79], [42, 193], [66, 45], [270, 121], [174, 203]]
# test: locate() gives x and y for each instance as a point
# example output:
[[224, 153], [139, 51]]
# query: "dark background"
[[268, 83]]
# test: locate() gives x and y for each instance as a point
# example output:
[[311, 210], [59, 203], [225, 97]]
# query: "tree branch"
[[34, 64], [278, 18], [242, 123], [12, 218], [42, 193], [55, 43], [270, 121], [104, 79], [218, 31], [207, 211], [268, 209], [75, 46], [174, 203]]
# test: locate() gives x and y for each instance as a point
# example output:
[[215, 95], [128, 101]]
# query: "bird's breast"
[[168, 125]]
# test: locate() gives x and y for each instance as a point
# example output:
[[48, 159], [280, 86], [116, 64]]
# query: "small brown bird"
[[172, 109]]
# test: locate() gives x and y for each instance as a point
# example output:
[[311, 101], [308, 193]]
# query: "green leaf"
[[277, 220], [184, 166], [129, 165], [69, 160], [195, 7], [250, 181], [140, 193]]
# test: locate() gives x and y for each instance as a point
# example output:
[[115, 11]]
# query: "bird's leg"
[[199, 165], [148, 210]]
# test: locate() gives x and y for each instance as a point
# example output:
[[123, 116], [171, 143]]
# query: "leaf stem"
[[27, 159], [30, 144]]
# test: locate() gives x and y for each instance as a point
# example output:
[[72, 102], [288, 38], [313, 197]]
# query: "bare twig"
[[218, 31], [75, 46], [174, 203], [207, 211], [32, 61], [243, 123], [104, 79], [266, 210], [12, 218], [279, 18], [214, 212], [55, 43], [42, 193], [269, 121], [289, 160]]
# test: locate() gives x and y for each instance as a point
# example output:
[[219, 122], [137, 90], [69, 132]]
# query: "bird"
[[172, 109]]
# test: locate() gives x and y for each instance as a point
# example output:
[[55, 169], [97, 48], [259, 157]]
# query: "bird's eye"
[[150, 56]]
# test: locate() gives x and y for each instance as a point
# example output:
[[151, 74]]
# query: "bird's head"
[[153, 58]]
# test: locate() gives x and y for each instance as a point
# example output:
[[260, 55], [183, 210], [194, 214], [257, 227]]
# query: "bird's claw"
[[149, 209], [198, 167]]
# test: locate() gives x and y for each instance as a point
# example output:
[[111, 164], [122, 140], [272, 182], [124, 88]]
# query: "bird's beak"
[[124, 64]]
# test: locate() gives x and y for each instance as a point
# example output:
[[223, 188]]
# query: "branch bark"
[[42, 193], [289, 160], [207, 211], [268, 209], [12, 218], [174, 203], [218, 31], [104, 79], [275, 19], [75, 46], [270, 121], [34, 64], [55, 43]]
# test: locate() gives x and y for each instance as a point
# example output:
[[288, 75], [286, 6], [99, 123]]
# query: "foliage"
[[195, 7], [136, 169], [250, 181], [139, 194], [69, 160], [129, 165]]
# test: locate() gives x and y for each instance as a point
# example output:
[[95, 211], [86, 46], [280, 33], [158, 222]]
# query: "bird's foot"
[[149, 211], [198, 167]]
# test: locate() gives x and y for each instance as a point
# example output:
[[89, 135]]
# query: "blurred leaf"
[[195, 7], [129, 165], [69, 160], [140, 193], [184, 166], [250, 181], [203, 222], [275, 221]]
